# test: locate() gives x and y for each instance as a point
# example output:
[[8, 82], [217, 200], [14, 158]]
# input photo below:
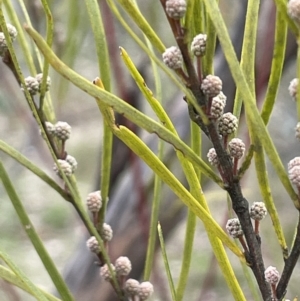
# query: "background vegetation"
[[131, 181]]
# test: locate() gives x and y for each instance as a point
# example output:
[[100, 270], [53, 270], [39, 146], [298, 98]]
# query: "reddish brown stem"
[[243, 243]]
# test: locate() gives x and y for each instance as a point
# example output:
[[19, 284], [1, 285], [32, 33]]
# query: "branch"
[[289, 265]]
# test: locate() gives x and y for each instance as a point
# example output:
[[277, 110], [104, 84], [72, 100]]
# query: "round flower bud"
[[65, 167], [228, 124], [217, 106], [212, 157], [211, 85], [236, 148], [132, 287], [92, 245], [258, 211], [12, 31], [50, 127], [294, 162], [293, 87], [234, 228], [39, 78], [72, 161], [294, 175], [62, 130], [198, 46], [175, 8], [105, 272], [106, 232], [172, 57], [94, 201], [122, 266], [145, 290], [3, 44], [31, 84], [293, 8], [272, 275]]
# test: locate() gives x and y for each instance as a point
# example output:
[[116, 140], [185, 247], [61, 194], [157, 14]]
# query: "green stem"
[[34, 238], [10, 277], [277, 66], [166, 263], [104, 70]]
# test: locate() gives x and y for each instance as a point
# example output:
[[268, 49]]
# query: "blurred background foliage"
[[57, 222]]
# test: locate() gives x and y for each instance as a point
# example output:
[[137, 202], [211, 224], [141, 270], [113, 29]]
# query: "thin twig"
[[289, 265]]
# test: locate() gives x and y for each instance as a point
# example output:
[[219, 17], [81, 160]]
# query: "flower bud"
[[145, 290], [93, 245], [217, 106], [293, 8], [198, 46], [176, 8], [258, 211], [94, 201], [106, 233], [172, 57], [122, 266], [234, 228], [132, 287], [228, 124], [65, 167], [62, 130], [39, 78], [211, 85], [31, 84], [72, 161], [293, 87], [272, 275], [105, 272], [212, 157], [294, 162], [3, 44], [236, 148], [294, 175]]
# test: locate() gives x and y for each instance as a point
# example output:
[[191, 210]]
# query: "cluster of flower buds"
[[61, 130], [120, 269], [3, 43], [34, 84], [236, 149], [122, 266], [258, 212], [132, 288], [138, 291], [66, 166], [106, 234]]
